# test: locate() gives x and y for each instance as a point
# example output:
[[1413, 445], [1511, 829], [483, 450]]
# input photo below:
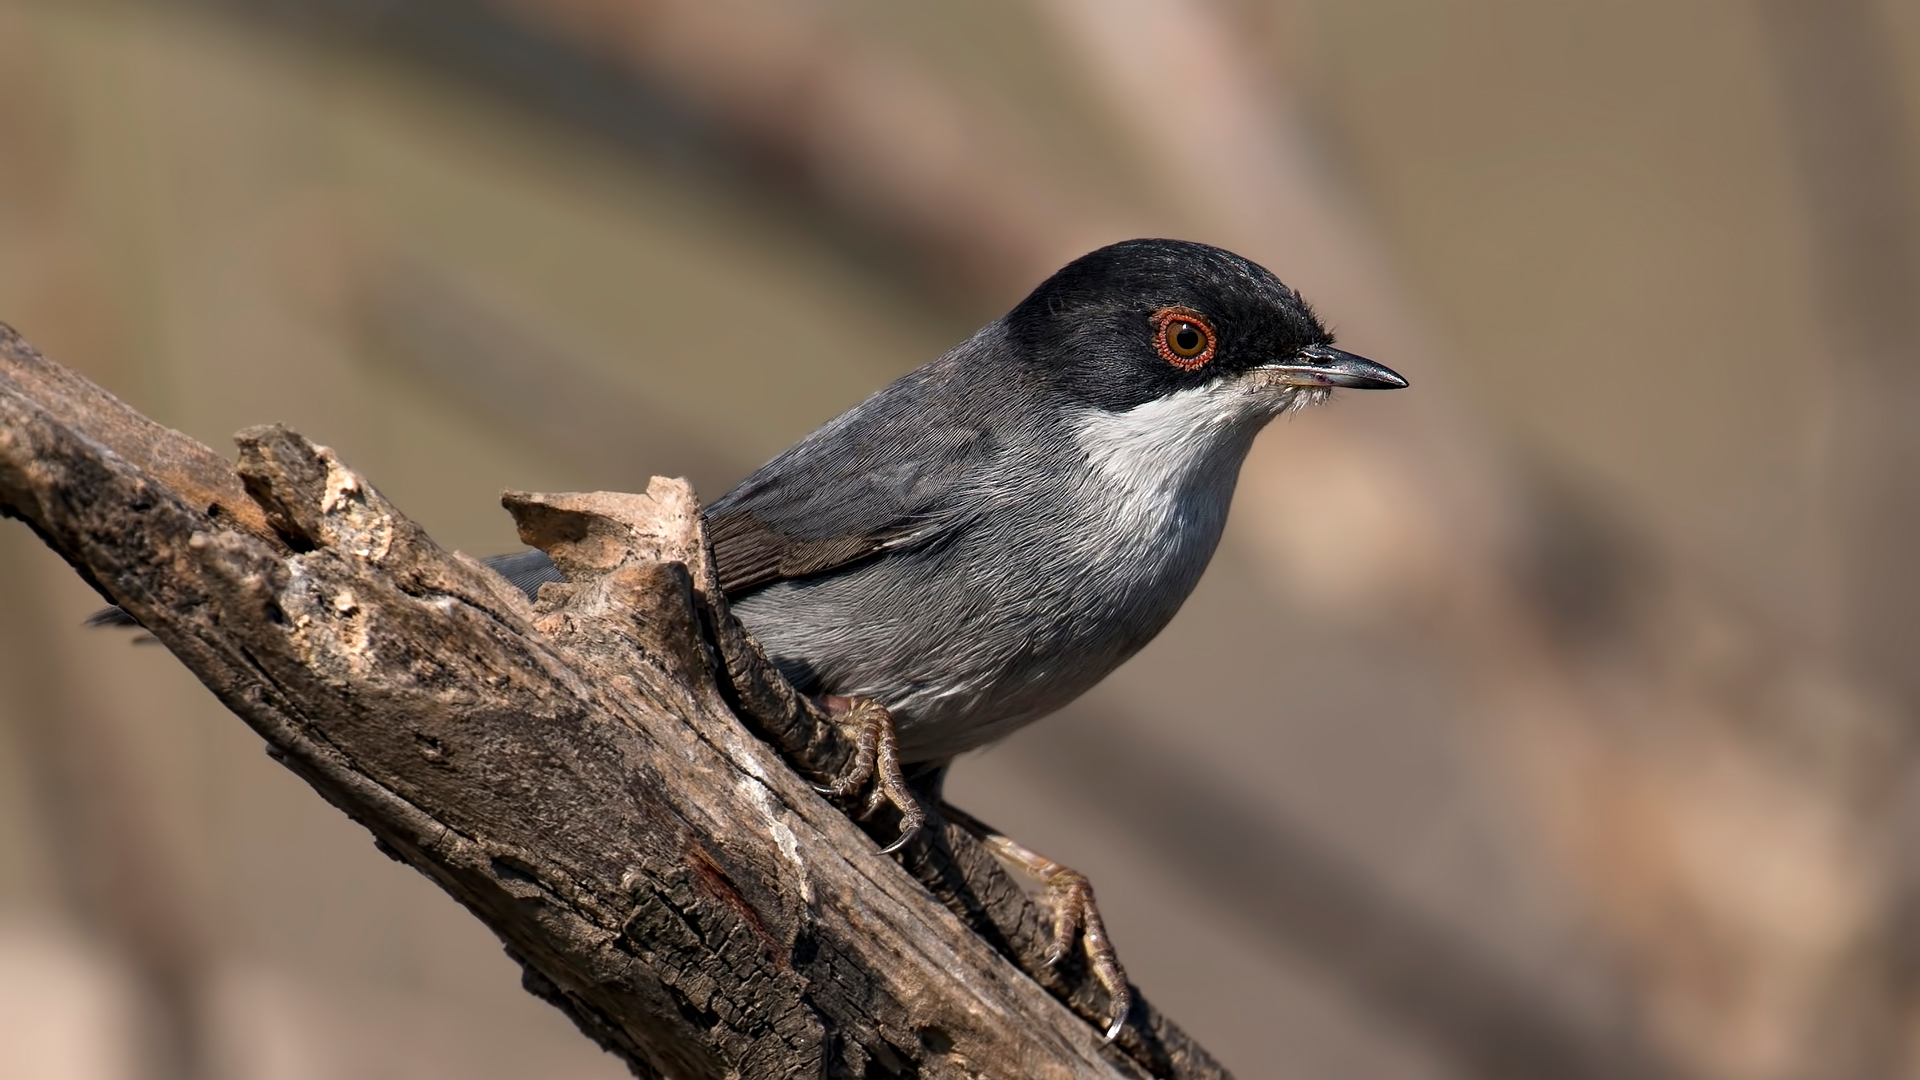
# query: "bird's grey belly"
[[965, 657]]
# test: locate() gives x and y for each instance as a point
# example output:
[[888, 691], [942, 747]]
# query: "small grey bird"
[[980, 542]]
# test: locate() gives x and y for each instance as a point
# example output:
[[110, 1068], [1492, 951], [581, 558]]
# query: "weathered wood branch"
[[583, 774]]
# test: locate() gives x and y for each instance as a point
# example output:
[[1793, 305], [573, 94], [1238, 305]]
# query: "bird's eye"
[[1183, 338]]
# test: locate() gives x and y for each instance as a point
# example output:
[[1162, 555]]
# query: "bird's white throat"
[[1172, 462]]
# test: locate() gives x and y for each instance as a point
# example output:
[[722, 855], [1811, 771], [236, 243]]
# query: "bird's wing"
[[829, 502], [905, 469], [834, 500]]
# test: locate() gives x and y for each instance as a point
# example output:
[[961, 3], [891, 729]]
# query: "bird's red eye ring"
[[1183, 337]]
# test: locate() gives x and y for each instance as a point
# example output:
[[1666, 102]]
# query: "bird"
[[989, 536], [983, 540]]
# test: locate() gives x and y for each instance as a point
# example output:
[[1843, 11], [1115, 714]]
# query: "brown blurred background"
[[1551, 718]]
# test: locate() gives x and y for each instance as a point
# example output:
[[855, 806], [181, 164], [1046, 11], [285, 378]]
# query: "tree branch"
[[583, 774]]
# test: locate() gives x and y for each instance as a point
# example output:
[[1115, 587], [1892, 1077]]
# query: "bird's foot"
[[1071, 895], [876, 760]]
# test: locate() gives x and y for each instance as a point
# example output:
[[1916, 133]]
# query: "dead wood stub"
[[576, 772]]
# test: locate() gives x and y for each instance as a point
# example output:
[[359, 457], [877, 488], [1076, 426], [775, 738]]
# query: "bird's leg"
[[876, 759], [1071, 895]]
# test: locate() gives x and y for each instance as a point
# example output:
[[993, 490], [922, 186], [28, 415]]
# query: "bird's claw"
[[1074, 910], [1074, 913], [876, 761]]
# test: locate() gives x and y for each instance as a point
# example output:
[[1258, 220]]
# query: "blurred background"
[[1552, 718]]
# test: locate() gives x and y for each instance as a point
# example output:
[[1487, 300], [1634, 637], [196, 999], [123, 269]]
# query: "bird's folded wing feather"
[[832, 501]]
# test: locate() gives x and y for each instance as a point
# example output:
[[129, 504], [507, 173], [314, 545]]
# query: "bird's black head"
[[1138, 321]]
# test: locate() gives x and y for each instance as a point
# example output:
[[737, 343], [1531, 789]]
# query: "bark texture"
[[598, 777]]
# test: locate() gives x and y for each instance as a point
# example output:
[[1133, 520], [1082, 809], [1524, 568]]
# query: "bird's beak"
[[1324, 365]]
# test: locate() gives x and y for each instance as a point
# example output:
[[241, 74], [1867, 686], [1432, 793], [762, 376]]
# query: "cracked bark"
[[599, 777]]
